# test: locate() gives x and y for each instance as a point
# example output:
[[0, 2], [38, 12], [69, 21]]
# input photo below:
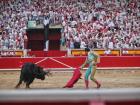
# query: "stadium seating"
[[86, 22]]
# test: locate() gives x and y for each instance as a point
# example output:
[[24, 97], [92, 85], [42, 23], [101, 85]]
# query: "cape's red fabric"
[[76, 76]]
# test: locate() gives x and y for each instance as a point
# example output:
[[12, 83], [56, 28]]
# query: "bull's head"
[[48, 73], [40, 73]]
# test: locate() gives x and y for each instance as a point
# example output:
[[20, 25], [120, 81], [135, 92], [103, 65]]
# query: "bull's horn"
[[48, 73]]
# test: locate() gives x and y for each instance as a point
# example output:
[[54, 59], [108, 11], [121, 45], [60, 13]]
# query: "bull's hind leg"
[[19, 83]]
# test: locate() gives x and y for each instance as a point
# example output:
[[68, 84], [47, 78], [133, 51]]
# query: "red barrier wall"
[[11, 63], [122, 61], [67, 62], [73, 103], [53, 53]]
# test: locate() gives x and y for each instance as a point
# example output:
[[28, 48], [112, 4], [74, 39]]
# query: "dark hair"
[[87, 49]]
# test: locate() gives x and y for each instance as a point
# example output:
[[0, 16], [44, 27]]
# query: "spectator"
[[107, 51], [124, 51]]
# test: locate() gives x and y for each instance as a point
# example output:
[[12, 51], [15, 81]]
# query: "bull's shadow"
[[29, 72]]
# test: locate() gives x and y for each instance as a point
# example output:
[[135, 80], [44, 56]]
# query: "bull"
[[29, 72]]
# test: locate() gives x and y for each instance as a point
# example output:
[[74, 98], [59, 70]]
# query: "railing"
[[90, 96]]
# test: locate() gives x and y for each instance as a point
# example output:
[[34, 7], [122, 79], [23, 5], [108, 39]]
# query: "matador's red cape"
[[76, 76]]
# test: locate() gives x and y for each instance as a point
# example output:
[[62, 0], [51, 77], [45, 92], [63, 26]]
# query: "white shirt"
[[110, 45], [83, 45], [107, 51], [46, 21]]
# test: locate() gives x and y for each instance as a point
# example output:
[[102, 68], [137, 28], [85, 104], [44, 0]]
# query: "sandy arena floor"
[[108, 79]]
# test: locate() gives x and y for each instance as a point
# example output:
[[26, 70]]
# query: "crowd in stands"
[[112, 24]]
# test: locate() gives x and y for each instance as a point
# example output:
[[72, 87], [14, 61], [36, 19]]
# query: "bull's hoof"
[[42, 78], [16, 87], [27, 87]]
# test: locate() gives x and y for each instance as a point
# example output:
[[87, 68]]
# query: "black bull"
[[29, 72]]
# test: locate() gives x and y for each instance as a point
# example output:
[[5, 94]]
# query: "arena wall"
[[69, 62]]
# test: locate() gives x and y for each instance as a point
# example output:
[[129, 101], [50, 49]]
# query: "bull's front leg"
[[28, 83]]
